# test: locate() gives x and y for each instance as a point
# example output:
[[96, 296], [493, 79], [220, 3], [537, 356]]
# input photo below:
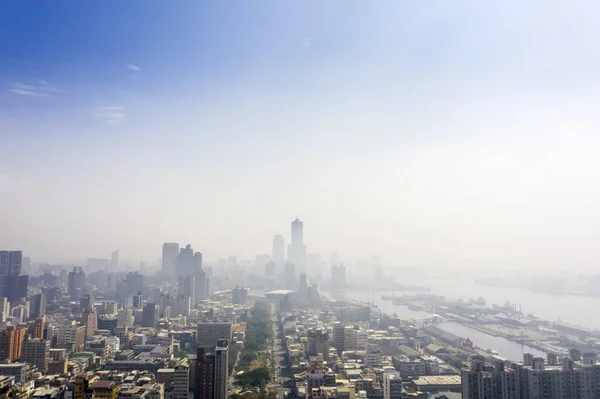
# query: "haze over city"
[[452, 135]]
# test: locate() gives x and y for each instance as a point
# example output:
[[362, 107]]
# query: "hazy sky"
[[429, 132]]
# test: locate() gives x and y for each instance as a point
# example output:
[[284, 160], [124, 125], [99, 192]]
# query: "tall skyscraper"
[[38, 306], [89, 315], [114, 260], [188, 263], [278, 250], [76, 283], [170, 251], [4, 309], [202, 286], [297, 249], [221, 369], [150, 315], [138, 301], [186, 286], [13, 285], [205, 374]]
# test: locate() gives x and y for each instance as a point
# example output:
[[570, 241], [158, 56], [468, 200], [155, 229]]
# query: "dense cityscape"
[[265, 329], [313, 199]]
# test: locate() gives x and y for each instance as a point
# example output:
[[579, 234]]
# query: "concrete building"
[[150, 315], [4, 309], [221, 369], [38, 327], [76, 283], [239, 296], [104, 390], [297, 249], [11, 341], [17, 370], [204, 384], [181, 380], [182, 306], [339, 337], [125, 317], [38, 306], [170, 251], [209, 333], [186, 287], [36, 352], [318, 342], [72, 336], [392, 386]]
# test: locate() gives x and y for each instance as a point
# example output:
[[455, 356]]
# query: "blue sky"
[[129, 123]]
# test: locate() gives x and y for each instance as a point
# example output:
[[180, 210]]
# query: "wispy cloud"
[[42, 89], [112, 115], [134, 68], [307, 43]]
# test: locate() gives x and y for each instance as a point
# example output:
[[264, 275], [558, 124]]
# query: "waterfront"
[[507, 349], [568, 308]]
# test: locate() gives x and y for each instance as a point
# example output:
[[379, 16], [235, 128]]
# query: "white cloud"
[[111, 115], [134, 68], [43, 89]]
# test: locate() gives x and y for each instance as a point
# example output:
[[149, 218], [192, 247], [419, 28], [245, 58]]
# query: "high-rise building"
[[297, 249], [89, 318], [318, 342], [204, 387], [239, 296], [138, 301], [339, 337], [201, 286], [182, 306], [13, 285], [11, 341], [170, 251], [38, 305], [150, 315], [186, 286], [76, 283], [392, 386], [338, 276], [181, 380], [290, 276], [37, 352], [114, 260], [38, 327], [4, 309], [125, 317], [188, 263], [221, 369], [210, 332], [278, 250], [72, 336]]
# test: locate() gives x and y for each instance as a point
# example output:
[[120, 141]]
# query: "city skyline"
[[450, 134]]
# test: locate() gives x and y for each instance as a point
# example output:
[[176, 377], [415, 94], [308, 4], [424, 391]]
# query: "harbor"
[[504, 330]]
